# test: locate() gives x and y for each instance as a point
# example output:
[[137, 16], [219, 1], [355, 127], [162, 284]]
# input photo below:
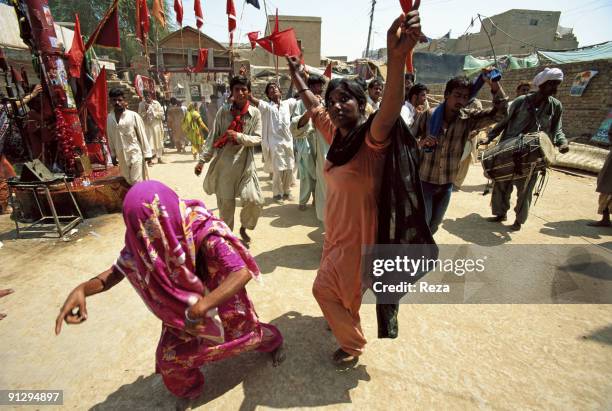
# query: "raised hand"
[[404, 34]]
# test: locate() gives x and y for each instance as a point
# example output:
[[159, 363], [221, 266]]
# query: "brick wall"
[[582, 116]]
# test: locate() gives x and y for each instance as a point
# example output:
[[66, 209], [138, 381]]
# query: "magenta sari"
[[162, 240]]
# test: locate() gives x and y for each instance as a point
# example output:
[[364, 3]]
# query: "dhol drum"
[[518, 157]]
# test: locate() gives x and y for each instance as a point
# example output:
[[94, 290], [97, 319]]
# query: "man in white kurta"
[[127, 139], [276, 124], [152, 113]]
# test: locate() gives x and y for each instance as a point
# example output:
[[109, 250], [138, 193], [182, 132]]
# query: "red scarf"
[[236, 125]]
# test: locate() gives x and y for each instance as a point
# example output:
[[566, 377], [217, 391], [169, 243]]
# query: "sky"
[[345, 23]]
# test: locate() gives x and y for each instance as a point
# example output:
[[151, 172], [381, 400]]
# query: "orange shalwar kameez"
[[351, 215]]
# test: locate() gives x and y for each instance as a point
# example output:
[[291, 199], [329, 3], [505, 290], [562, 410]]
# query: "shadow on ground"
[[575, 228], [288, 215], [603, 335], [475, 229], [298, 256], [307, 378]]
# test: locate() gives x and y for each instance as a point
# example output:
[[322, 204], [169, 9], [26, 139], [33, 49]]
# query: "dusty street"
[[446, 357]]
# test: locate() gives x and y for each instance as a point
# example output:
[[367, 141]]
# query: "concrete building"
[[516, 31]]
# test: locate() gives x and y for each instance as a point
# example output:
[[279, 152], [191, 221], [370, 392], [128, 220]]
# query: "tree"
[[91, 12]]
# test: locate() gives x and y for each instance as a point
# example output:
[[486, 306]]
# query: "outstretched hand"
[[76, 299], [404, 34]]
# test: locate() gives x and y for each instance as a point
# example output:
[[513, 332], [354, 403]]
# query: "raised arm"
[[402, 36], [310, 100]]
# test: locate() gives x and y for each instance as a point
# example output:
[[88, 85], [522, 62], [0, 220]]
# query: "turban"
[[546, 75]]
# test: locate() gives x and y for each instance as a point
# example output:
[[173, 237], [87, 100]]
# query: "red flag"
[[158, 12], [202, 61], [107, 32], [24, 75], [142, 21], [96, 101], [77, 50], [16, 76], [282, 43], [231, 20], [253, 39], [178, 9], [328, 71], [197, 8]]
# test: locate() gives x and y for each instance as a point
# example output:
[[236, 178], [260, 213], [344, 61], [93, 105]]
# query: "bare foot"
[[600, 223], [341, 357], [278, 356]]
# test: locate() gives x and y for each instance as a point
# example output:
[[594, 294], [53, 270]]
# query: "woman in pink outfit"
[[190, 271]]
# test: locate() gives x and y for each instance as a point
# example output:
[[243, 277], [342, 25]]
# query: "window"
[[533, 22], [493, 30]]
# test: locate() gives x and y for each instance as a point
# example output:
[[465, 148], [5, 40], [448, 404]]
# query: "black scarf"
[[401, 212], [343, 149]]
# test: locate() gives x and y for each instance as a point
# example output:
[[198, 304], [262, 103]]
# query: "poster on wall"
[[581, 81], [194, 91], [602, 135]]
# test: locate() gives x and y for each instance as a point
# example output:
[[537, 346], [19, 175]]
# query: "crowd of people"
[[351, 144]]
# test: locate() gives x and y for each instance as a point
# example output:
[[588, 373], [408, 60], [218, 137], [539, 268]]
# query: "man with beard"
[[530, 113], [127, 139]]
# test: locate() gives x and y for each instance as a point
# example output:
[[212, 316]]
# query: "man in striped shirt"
[[441, 153]]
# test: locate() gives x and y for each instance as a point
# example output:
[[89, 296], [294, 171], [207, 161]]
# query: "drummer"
[[443, 133], [538, 111]]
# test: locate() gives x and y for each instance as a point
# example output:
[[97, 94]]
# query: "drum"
[[517, 157]]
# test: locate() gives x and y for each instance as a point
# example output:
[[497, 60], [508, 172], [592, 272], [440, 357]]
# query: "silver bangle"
[[189, 320]]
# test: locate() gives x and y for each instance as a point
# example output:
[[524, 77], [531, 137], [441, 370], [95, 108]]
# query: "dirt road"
[[447, 356]]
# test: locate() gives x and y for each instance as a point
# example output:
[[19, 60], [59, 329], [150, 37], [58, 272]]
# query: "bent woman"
[[190, 271], [353, 173]]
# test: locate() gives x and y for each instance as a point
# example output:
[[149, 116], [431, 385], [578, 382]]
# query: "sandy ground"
[[447, 356]]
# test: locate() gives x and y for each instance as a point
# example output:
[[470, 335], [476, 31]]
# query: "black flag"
[[254, 3]]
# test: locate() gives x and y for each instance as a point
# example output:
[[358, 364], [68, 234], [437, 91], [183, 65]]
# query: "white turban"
[[546, 75]]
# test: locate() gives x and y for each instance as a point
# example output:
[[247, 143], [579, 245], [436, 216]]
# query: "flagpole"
[[241, 15]]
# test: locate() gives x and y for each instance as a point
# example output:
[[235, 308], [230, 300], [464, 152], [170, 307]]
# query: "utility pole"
[[370, 30]]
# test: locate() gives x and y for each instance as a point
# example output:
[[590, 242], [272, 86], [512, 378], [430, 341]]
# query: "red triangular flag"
[[282, 43], [178, 9], [97, 103], [253, 39], [231, 20], [328, 71], [202, 61], [142, 21], [77, 50], [197, 8], [107, 32]]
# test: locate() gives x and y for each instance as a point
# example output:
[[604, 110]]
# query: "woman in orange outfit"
[[353, 173]]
